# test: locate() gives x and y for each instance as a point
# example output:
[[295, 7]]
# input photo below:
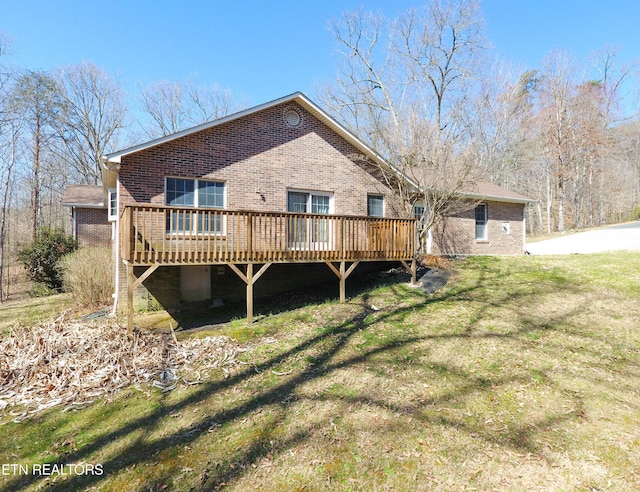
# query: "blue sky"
[[262, 50]]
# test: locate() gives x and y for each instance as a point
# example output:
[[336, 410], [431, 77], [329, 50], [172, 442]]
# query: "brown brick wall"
[[93, 228], [259, 158], [457, 234]]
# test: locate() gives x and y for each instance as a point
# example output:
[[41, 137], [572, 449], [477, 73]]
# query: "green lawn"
[[521, 374], [32, 311]]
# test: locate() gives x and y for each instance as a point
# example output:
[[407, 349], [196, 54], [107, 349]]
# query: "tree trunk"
[[36, 182], [561, 205]]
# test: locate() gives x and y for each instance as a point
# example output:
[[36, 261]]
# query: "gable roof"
[[84, 196], [483, 190], [480, 190], [297, 97], [473, 189]]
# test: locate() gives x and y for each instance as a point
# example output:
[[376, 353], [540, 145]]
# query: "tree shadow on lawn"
[[329, 350], [204, 317]]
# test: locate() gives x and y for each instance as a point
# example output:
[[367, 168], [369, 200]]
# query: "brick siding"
[[456, 235], [258, 157], [93, 228]]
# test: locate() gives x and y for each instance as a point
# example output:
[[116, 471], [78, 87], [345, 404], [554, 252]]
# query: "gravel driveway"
[[614, 238]]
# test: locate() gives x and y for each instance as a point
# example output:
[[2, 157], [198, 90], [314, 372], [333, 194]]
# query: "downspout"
[[110, 166], [524, 228], [116, 250]]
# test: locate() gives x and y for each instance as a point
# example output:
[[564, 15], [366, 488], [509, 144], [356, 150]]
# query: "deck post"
[[249, 235], [131, 279], [249, 293], [249, 278], [132, 283], [413, 269], [342, 274]]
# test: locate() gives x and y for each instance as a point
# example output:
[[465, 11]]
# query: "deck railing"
[[152, 234]]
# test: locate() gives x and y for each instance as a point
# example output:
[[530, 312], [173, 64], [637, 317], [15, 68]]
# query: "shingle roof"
[[473, 189], [88, 196], [489, 191]]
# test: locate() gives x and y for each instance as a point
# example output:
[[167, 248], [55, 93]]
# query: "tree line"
[[423, 89], [426, 91], [55, 126]]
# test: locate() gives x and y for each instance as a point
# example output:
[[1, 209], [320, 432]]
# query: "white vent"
[[292, 117]]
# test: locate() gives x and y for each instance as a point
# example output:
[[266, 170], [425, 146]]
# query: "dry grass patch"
[[64, 362]]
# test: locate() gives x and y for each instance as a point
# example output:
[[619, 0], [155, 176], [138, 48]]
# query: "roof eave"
[[83, 205], [495, 198], [115, 158]]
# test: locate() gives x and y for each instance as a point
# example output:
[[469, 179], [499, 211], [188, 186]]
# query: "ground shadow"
[[327, 346], [204, 316]]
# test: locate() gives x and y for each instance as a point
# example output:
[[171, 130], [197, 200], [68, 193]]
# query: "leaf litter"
[[64, 362]]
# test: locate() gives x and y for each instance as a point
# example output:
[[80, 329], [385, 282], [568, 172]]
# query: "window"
[[112, 196], [196, 193], [481, 222], [375, 205], [309, 232]]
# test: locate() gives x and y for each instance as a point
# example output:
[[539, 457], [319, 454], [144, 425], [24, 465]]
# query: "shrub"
[[41, 257], [434, 261], [635, 213], [88, 275]]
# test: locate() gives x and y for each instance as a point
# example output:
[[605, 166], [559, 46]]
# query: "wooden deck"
[[154, 236], [178, 236]]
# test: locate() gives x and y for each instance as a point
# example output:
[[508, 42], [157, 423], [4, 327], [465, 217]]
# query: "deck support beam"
[[411, 269], [249, 278], [342, 274], [132, 283]]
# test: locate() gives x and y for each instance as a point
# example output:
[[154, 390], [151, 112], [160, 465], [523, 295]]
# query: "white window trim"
[[314, 245], [196, 194], [428, 245], [223, 225], [110, 193], [310, 193], [486, 223]]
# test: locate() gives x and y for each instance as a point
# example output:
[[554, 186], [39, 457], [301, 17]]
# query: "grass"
[[32, 311], [521, 374]]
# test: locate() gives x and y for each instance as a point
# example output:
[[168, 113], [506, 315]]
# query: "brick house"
[[90, 224], [264, 200], [492, 223], [208, 211]]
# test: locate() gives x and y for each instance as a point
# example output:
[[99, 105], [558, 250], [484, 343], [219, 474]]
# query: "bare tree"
[[558, 129], [501, 123], [93, 113], [173, 106], [38, 95], [578, 120], [10, 123], [404, 86]]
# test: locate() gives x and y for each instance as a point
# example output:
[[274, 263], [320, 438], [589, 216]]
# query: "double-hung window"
[[204, 197], [481, 222]]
